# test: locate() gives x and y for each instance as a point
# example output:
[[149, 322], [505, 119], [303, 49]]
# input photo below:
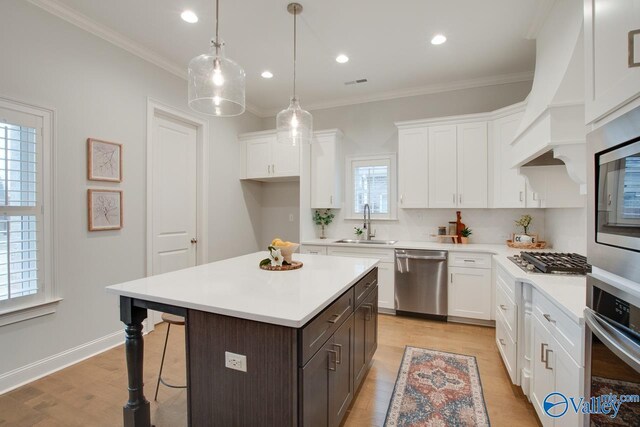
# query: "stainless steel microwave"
[[613, 189]]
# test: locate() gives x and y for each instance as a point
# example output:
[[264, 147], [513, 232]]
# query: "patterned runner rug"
[[437, 389]]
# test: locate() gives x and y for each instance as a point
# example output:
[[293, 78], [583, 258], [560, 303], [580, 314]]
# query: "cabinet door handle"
[[401, 199], [273, 168], [521, 196], [548, 317], [546, 361], [503, 307], [339, 358], [543, 347], [502, 343], [454, 198], [451, 277], [632, 49], [460, 198], [335, 360], [337, 317], [369, 314], [331, 200]]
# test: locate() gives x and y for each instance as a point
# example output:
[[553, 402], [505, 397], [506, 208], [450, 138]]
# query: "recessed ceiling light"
[[342, 59], [189, 16], [438, 39], [266, 74]]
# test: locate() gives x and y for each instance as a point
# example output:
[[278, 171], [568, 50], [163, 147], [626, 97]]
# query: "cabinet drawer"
[[504, 280], [365, 285], [384, 255], [568, 333], [507, 310], [507, 348], [313, 250], [469, 259], [315, 333]]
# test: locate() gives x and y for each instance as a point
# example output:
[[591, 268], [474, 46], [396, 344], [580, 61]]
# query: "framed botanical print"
[[104, 161], [105, 209]]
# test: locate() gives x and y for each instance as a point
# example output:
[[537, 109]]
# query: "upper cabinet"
[[413, 168], [612, 55], [509, 187], [458, 165], [266, 159], [326, 170]]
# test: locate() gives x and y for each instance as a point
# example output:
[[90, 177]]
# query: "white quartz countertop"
[[238, 287], [567, 292]]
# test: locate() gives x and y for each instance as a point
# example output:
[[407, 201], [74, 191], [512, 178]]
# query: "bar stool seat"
[[169, 319]]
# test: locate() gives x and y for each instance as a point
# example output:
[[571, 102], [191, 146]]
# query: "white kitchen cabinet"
[[472, 165], [443, 166], [386, 273], [458, 166], [612, 55], [509, 187], [266, 159], [326, 170], [469, 293], [543, 377], [413, 168], [313, 250]]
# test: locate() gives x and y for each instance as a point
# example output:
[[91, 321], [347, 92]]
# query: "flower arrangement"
[[275, 258], [323, 219], [524, 222]]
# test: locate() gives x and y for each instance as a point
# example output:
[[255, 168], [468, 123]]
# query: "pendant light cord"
[[217, 42], [295, 37]]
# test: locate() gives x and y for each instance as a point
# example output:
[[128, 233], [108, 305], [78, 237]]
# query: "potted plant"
[[464, 235], [524, 222], [358, 232], [323, 220]]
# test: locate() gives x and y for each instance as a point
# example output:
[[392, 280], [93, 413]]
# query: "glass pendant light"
[[216, 83], [294, 125]]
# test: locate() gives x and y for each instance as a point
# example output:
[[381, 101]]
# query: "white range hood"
[[554, 116]]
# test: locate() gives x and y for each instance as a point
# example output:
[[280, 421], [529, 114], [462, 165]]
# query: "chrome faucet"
[[367, 222]]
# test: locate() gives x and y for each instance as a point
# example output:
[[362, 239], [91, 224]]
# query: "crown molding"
[[417, 91], [89, 25]]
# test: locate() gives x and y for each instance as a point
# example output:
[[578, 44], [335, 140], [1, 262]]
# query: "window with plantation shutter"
[[371, 180], [24, 271]]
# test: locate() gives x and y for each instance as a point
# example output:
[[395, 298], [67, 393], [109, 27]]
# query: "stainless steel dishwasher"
[[421, 283]]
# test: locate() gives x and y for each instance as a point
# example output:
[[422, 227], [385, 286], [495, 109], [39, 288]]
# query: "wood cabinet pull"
[[543, 346], [632, 48], [546, 362], [335, 360], [339, 358]]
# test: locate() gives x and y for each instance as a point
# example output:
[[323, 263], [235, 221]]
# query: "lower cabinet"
[[470, 293], [366, 336], [328, 381]]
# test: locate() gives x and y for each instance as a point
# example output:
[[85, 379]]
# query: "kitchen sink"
[[368, 242]]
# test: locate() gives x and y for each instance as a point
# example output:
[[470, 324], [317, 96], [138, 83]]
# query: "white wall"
[[280, 200], [369, 129], [566, 229], [99, 90]]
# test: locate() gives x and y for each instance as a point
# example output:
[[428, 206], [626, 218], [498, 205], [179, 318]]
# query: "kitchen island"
[[308, 337]]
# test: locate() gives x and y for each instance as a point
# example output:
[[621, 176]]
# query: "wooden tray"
[[519, 245], [294, 266]]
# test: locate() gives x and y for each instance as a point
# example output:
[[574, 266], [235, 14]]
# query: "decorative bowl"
[[287, 251]]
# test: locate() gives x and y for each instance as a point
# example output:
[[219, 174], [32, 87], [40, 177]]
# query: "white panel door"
[[472, 165], [413, 168], [470, 293], [285, 159], [323, 170], [442, 167], [509, 187], [174, 215], [258, 157]]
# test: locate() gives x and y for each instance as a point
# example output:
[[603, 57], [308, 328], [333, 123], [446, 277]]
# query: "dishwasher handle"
[[422, 257]]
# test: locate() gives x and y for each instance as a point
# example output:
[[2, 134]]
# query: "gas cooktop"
[[552, 263]]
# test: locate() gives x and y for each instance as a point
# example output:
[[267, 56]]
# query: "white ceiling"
[[387, 43]]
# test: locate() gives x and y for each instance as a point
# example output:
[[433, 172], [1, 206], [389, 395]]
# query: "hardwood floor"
[[92, 393]]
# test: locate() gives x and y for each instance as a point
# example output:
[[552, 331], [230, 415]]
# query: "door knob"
[[194, 240]]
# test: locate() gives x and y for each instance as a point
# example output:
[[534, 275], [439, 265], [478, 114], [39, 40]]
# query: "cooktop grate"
[[557, 262]]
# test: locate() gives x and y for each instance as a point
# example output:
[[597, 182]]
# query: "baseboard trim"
[[469, 321], [36, 370]]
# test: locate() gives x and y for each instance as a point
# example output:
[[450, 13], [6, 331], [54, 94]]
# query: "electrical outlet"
[[235, 361], [290, 217]]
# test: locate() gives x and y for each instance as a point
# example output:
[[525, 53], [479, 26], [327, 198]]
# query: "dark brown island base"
[[304, 376]]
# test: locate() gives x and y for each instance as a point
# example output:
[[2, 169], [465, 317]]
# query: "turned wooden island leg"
[[137, 411]]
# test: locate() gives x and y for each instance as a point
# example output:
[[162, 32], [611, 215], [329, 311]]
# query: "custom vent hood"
[[553, 126]]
